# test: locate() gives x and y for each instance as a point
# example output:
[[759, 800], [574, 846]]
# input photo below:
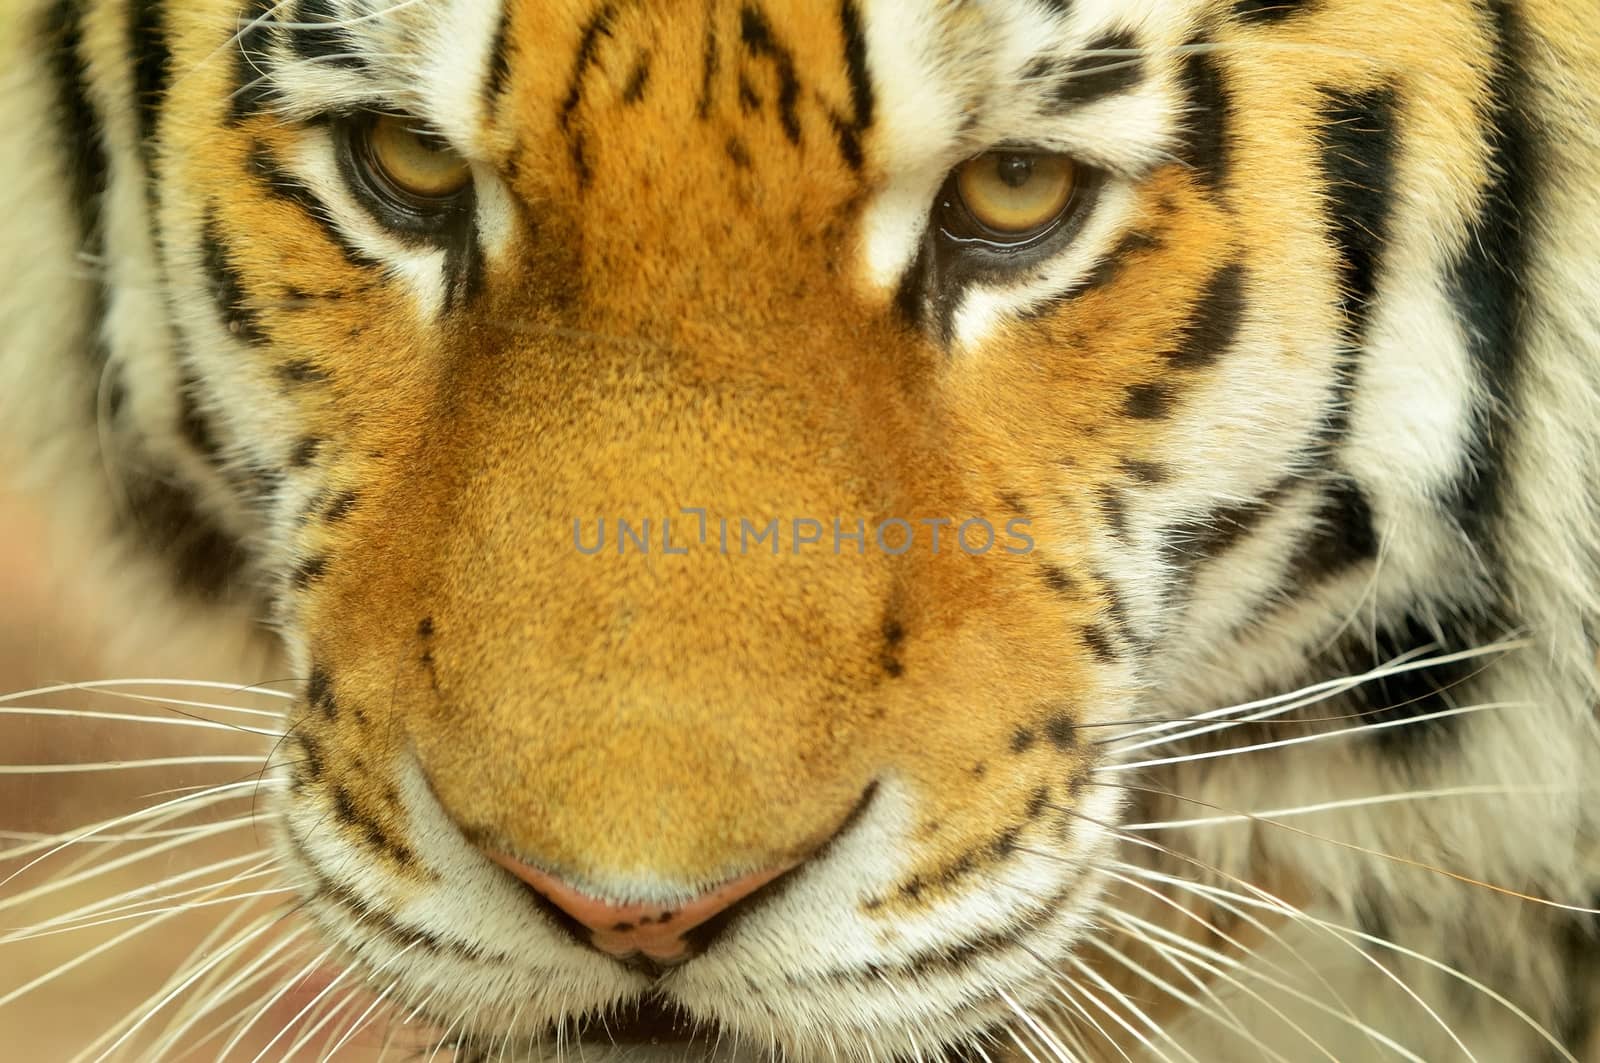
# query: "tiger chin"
[[851, 530]]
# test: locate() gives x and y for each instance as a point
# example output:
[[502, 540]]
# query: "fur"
[[1309, 383]]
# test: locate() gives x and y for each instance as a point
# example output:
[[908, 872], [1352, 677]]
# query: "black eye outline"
[[397, 208], [960, 229]]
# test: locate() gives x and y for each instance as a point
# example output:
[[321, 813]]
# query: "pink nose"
[[655, 931]]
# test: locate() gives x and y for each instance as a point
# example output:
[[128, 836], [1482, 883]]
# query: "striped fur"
[[1312, 382]]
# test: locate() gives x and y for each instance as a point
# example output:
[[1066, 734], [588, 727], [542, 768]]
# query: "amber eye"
[[416, 167], [1015, 195]]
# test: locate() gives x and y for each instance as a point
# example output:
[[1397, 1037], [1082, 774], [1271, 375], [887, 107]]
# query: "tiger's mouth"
[[650, 1020]]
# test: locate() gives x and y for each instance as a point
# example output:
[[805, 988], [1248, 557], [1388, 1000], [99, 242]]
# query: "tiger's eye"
[[1015, 193], [412, 161]]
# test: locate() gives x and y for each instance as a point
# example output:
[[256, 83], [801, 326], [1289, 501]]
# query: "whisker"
[[1283, 908], [1410, 661], [89, 767], [133, 717], [210, 1000], [1178, 959], [1268, 815], [47, 888], [139, 895], [267, 1005], [1324, 736], [1365, 851]]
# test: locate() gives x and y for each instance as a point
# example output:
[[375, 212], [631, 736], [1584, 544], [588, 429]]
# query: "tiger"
[[858, 530]]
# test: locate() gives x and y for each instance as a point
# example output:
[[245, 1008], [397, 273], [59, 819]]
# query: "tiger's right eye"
[[410, 167], [1009, 198]]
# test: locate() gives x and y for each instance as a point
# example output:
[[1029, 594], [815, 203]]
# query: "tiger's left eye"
[[411, 165], [1008, 198]]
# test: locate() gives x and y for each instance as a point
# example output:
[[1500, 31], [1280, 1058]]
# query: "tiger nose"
[[660, 933]]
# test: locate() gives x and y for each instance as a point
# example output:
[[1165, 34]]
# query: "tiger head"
[[722, 468]]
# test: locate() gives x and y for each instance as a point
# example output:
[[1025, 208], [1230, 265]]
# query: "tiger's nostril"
[[658, 934]]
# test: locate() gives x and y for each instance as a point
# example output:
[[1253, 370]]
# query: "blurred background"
[[121, 930]]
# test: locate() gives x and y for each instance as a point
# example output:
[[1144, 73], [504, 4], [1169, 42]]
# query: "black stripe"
[[317, 37], [499, 59], [252, 65], [1268, 11], [83, 146], [283, 185], [1214, 322], [1357, 147], [1205, 145], [1190, 542], [709, 62], [862, 103], [1344, 535], [226, 287], [1147, 402], [638, 79], [205, 561], [193, 424], [152, 60], [1486, 281], [1088, 78], [758, 38], [588, 51], [1425, 691], [82, 132]]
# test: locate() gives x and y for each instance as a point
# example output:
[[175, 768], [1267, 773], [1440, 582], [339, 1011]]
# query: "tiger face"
[[723, 467]]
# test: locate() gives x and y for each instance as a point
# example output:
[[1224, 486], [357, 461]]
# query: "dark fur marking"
[[1099, 642], [738, 154], [1344, 535], [341, 507], [758, 38], [300, 372], [1088, 78], [1147, 402], [1061, 731], [193, 424], [425, 627], [83, 144], [894, 635], [151, 58], [317, 36], [1055, 578], [749, 99], [862, 102], [305, 452], [206, 561], [499, 61], [282, 185], [709, 62], [1194, 541], [1358, 144], [1422, 692], [1038, 801], [638, 80], [319, 689], [253, 88], [226, 286], [1487, 280], [312, 756], [1269, 11], [309, 571], [1214, 322], [1146, 472], [1022, 739], [588, 52], [1112, 509], [1205, 147]]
